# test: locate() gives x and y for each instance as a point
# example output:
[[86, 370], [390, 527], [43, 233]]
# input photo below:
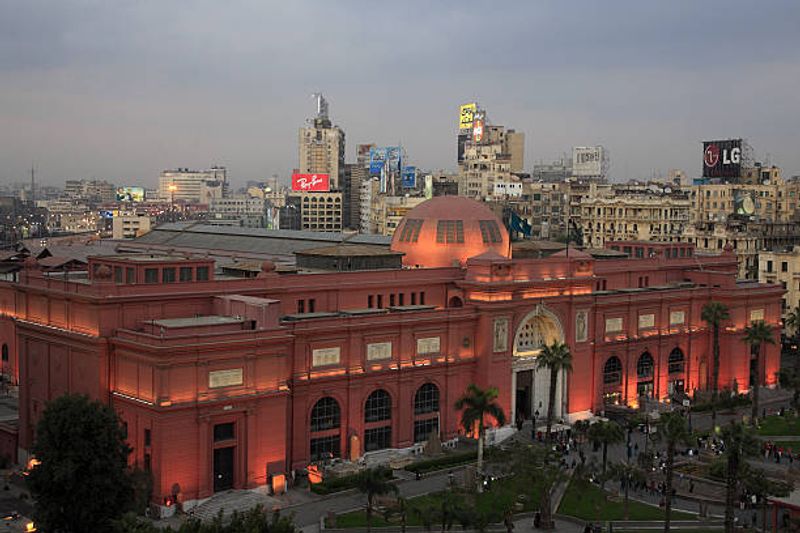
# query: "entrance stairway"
[[230, 501]]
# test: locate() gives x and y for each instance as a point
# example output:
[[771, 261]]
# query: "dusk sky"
[[120, 90]]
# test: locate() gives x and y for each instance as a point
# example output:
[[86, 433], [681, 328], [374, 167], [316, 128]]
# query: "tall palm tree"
[[555, 357], [477, 404], [713, 314], [373, 482], [740, 443], [757, 335], [627, 474], [672, 430], [604, 433]]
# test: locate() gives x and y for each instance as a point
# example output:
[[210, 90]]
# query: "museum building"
[[228, 381]]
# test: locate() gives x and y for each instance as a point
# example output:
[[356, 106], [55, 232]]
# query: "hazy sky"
[[121, 89]]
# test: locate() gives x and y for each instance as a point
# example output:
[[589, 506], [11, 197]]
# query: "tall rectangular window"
[[130, 275], [168, 275], [186, 274], [151, 275]]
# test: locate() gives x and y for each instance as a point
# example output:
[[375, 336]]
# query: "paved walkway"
[[307, 508]]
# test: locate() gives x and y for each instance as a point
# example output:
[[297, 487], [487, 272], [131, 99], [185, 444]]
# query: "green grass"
[[588, 502], [439, 463], [486, 503], [794, 445], [779, 425]]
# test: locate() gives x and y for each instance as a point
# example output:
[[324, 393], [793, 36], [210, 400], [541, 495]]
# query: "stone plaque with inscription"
[[325, 356], [613, 325], [647, 321], [677, 318], [428, 345], [377, 351], [225, 378]]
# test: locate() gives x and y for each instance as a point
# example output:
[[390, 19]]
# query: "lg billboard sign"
[[722, 159]]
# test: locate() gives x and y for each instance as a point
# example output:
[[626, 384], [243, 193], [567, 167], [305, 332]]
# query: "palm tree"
[[627, 473], [604, 433], [555, 357], [740, 443], [713, 314], [673, 430], [756, 335], [477, 404], [373, 482]]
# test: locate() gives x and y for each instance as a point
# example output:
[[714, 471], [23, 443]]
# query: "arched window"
[[325, 423], [378, 406], [455, 301], [426, 412], [676, 361], [325, 415], [426, 400], [644, 368], [612, 371]]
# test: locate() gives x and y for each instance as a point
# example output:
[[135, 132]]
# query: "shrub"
[[338, 484], [440, 463]]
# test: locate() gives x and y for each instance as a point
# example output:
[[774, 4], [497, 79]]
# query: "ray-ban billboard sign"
[[311, 182]]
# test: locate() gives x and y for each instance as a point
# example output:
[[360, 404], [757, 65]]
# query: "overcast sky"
[[121, 89]]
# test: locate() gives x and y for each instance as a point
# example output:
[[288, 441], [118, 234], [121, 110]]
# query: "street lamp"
[[172, 188]]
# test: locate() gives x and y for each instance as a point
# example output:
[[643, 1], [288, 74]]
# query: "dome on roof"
[[447, 230]]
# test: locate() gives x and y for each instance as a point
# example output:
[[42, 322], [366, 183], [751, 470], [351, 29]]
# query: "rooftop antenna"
[[322, 105]]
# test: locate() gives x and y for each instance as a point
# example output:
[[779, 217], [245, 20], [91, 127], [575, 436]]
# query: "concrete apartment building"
[[493, 159], [194, 186], [90, 191], [248, 211], [636, 217], [130, 225], [782, 267]]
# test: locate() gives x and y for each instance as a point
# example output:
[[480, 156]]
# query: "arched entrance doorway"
[[531, 385]]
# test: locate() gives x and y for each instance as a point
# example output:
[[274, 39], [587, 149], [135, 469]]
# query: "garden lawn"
[[487, 503], [589, 502], [779, 425]]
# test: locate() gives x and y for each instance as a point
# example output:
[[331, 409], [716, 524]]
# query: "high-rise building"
[[354, 176], [198, 186], [321, 146]]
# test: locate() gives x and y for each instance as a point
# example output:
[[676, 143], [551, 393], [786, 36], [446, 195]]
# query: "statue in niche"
[[500, 334], [580, 326]]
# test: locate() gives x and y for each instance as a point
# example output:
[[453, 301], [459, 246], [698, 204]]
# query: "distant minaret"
[[33, 187]]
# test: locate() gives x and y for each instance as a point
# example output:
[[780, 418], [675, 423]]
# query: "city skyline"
[[123, 92]]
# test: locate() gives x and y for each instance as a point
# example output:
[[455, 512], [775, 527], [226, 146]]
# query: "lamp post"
[[172, 188]]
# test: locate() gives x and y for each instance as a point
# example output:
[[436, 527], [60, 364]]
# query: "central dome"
[[447, 230]]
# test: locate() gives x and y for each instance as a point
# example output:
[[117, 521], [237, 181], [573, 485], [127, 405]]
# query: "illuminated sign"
[[722, 159], [466, 116], [377, 160], [311, 182], [130, 194], [477, 130]]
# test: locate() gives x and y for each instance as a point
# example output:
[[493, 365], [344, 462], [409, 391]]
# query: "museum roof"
[[209, 320]]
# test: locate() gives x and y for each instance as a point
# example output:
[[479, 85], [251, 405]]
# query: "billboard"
[[409, 180], [130, 194], [466, 114], [587, 161], [462, 143], [377, 158], [722, 159], [311, 182], [477, 129], [393, 158]]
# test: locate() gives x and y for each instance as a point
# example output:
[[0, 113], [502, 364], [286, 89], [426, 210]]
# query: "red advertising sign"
[[311, 182]]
